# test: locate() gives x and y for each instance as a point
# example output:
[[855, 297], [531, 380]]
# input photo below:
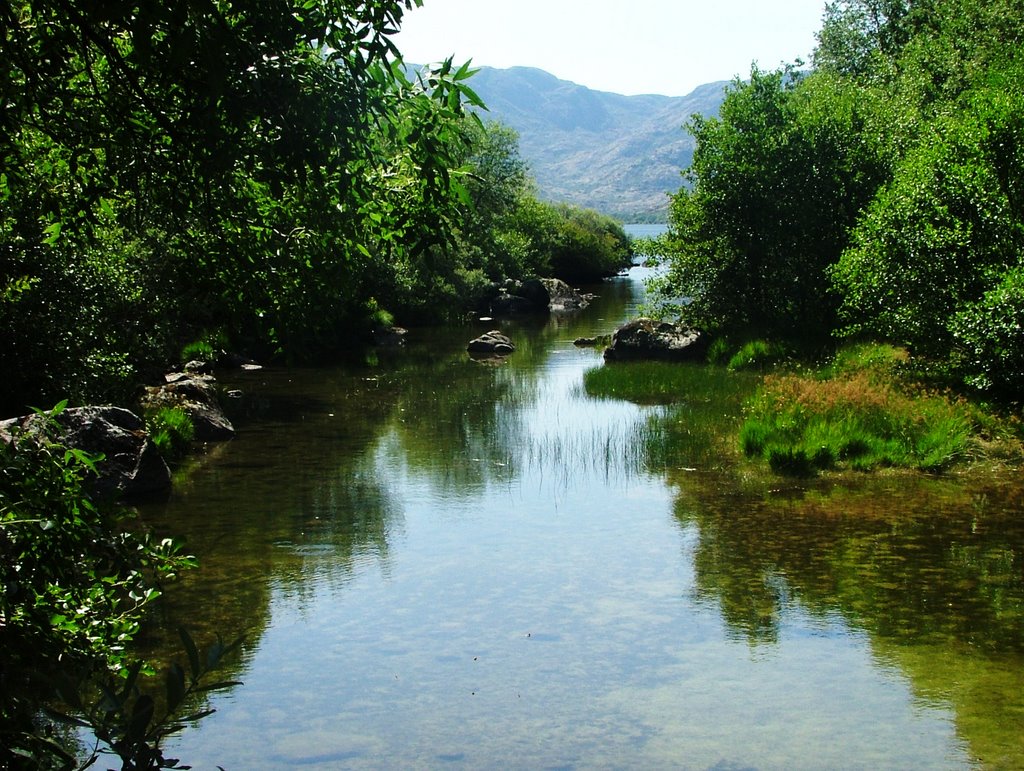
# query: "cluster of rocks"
[[536, 295], [131, 466], [641, 338], [194, 393]]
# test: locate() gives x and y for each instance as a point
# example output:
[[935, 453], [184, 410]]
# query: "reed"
[[703, 408]]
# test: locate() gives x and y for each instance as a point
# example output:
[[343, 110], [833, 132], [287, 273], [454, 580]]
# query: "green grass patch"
[[718, 351], [859, 417], [757, 354], [702, 408], [172, 431], [659, 382]]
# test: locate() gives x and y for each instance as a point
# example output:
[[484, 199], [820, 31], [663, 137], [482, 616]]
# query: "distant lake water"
[[645, 230]]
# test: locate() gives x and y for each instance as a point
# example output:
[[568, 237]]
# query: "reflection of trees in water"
[[930, 569], [458, 422], [301, 501], [289, 505]]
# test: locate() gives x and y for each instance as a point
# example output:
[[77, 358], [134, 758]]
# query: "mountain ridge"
[[621, 155]]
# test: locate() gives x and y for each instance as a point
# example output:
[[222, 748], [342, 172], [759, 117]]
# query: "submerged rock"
[[493, 343], [649, 339], [389, 336], [131, 466]]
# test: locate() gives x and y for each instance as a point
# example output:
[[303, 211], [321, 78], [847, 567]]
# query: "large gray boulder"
[[649, 339], [537, 295], [131, 466], [196, 395]]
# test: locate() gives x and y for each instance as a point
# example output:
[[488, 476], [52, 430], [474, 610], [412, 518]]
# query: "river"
[[440, 563]]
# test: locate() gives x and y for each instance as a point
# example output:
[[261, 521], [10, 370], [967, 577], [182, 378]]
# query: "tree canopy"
[[267, 173], [876, 193]]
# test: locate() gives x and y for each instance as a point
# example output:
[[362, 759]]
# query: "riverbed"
[[445, 563]]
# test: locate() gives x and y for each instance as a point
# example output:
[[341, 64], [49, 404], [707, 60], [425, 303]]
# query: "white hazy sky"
[[627, 46]]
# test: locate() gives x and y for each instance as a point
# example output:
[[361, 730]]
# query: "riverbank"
[[865, 409]]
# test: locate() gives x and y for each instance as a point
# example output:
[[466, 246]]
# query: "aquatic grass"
[[664, 383], [718, 351], [857, 420], [608, 452], [645, 383], [703, 407]]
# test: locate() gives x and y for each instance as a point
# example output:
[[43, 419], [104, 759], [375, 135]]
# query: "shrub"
[[76, 582], [990, 336]]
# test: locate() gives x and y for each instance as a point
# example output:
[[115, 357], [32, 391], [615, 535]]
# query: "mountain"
[[618, 154]]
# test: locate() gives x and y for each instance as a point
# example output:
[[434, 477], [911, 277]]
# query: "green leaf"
[[142, 714], [220, 686], [52, 233], [472, 97], [175, 686], [62, 717], [197, 716]]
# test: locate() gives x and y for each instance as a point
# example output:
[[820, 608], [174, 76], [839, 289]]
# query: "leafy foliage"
[[131, 723], [76, 581], [990, 337], [163, 170], [777, 178]]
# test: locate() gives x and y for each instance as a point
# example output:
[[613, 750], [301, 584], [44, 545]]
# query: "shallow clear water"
[[444, 563]]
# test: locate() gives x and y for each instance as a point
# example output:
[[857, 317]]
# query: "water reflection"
[[928, 569], [442, 562]]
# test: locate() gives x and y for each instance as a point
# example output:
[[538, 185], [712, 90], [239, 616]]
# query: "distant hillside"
[[618, 154]]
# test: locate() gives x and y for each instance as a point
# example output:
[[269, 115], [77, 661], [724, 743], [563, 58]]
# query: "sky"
[[666, 47]]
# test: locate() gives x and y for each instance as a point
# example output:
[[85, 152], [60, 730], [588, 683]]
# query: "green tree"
[[264, 170], [777, 179], [860, 38], [932, 262]]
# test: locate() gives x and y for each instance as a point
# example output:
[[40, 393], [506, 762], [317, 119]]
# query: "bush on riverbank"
[[77, 580]]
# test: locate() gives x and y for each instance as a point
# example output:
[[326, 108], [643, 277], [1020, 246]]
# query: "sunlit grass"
[[171, 430], [858, 414]]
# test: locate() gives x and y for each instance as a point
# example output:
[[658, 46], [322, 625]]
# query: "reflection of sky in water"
[[544, 614], [514, 633]]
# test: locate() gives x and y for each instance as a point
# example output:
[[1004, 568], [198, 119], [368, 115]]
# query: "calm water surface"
[[441, 563]]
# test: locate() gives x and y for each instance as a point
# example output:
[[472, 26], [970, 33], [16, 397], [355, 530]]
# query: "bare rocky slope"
[[621, 155]]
